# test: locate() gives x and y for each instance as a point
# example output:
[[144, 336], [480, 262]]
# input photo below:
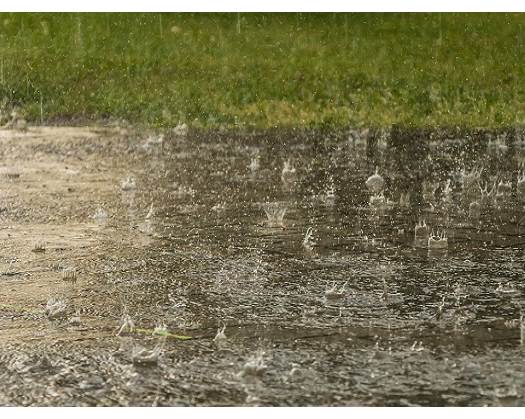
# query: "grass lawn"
[[265, 70]]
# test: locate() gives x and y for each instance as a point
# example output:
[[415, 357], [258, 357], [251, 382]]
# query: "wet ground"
[[217, 269]]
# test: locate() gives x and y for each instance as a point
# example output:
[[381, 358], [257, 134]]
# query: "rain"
[[185, 262]]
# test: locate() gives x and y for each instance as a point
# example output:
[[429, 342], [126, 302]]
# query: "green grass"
[[266, 70]]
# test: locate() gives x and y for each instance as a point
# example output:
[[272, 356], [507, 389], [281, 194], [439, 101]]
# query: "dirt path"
[[53, 181]]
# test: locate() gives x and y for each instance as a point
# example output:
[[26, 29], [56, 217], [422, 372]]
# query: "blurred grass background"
[[266, 70]]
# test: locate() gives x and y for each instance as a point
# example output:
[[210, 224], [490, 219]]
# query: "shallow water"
[[403, 325]]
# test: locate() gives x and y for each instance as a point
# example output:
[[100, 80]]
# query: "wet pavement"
[[280, 268]]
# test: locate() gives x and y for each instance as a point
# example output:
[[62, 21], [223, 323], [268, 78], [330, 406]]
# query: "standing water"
[[322, 269]]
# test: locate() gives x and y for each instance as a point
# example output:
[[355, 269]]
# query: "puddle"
[[334, 269]]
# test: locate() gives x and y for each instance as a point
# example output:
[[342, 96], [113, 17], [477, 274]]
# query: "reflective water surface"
[[348, 268]]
